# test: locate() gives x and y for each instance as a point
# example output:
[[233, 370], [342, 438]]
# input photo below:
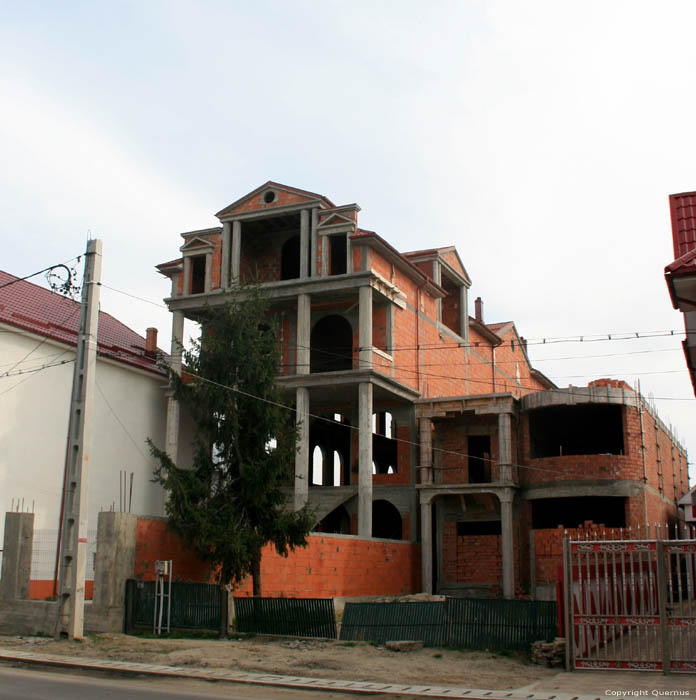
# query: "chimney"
[[151, 342], [478, 310]]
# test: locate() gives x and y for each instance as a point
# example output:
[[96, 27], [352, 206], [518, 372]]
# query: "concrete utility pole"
[[73, 543]]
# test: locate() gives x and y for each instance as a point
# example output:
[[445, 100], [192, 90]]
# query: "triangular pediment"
[[270, 195], [336, 220], [194, 243]]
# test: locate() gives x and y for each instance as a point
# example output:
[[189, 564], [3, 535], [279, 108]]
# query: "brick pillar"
[[16, 556]]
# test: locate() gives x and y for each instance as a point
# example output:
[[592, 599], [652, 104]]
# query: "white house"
[[38, 331]]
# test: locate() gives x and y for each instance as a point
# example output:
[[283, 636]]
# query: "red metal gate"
[[631, 604]]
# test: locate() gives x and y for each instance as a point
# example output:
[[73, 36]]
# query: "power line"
[[35, 369], [134, 296]]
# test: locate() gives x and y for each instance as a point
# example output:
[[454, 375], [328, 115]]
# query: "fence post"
[[224, 611], [16, 557], [662, 605], [567, 602]]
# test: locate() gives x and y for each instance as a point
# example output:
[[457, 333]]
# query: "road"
[[33, 684]]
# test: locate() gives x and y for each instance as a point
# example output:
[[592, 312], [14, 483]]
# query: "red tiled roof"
[[682, 208], [32, 308]]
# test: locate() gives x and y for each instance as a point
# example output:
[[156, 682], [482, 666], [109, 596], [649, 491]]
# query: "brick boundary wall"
[[330, 566]]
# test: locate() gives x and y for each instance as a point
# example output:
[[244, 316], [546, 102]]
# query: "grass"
[[178, 634]]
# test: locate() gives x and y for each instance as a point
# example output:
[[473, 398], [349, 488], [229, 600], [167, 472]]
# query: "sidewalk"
[[580, 685]]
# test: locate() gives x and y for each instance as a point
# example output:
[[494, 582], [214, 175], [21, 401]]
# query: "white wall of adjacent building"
[[129, 407]]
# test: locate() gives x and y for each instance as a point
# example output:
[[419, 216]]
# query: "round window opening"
[[269, 197]]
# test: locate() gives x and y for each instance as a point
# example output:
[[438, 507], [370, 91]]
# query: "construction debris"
[[549, 653]]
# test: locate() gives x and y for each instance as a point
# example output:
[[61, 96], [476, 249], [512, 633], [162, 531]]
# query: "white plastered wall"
[[129, 407]]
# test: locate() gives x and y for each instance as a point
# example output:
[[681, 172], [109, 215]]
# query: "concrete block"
[[16, 556]]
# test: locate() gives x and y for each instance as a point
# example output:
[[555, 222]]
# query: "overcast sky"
[[540, 138]]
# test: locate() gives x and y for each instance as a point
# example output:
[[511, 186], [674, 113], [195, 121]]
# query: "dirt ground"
[[315, 658]]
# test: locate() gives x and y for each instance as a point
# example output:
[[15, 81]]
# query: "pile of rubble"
[[549, 653]]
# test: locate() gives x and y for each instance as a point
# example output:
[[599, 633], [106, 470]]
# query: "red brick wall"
[[329, 566], [474, 559]]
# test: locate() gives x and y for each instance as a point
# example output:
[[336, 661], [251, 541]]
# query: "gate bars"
[[631, 603]]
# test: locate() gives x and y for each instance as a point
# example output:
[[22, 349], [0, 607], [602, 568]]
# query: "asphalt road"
[[33, 684]]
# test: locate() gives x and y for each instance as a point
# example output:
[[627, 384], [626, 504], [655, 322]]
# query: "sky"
[[542, 139]]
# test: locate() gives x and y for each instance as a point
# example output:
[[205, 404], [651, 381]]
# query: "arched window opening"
[[383, 424], [331, 345], [290, 259], [337, 468], [386, 520], [336, 522], [317, 466]]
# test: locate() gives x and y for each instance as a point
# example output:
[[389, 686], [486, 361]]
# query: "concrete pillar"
[[304, 243], [225, 255], [208, 271], [425, 430], [504, 448], [365, 327], [171, 446], [115, 560], [349, 255], [16, 556], [464, 313], [304, 315], [187, 275], [426, 513], [506, 543], [302, 456], [437, 278], [313, 243], [365, 459], [236, 262]]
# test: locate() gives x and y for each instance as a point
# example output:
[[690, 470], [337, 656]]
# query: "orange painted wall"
[[41, 589]]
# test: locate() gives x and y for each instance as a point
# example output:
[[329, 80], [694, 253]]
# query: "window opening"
[[290, 259], [479, 451], [386, 520], [336, 522], [583, 429], [574, 511], [331, 345], [338, 254], [198, 274], [317, 466]]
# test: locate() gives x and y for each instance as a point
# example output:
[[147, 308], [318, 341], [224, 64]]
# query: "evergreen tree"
[[232, 502]]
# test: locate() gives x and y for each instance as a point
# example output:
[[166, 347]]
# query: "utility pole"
[[73, 543]]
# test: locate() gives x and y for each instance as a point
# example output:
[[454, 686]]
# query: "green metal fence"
[[499, 624], [383, 622], [458, 622], [194, 606], [295, 617]]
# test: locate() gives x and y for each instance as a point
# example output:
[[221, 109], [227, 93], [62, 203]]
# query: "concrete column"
[[304, 315], [302, 456], [426, 512], [16, 556], [313, 243], [172, 425], [425, 430], [389, 330], [115, 560], [349, 255], [464, 313], [225, 255], [208, 271], [325, 254], [365, 459], [365, 327], [304, 243], [504, 448], [187, 275], [236, 262], [506, 543]]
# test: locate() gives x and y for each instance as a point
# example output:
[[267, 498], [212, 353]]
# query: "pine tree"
[[232, 501]]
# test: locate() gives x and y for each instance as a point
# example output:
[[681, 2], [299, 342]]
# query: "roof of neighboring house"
[[32, 308], [682, 208]]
